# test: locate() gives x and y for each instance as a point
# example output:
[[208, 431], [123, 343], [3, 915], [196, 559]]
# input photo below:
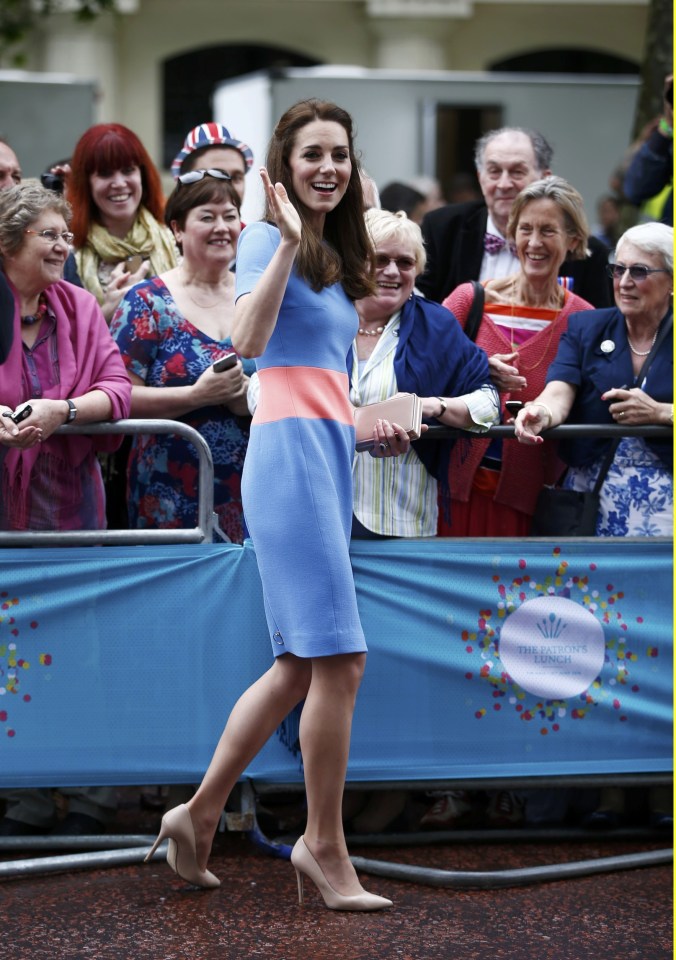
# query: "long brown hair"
[[344, 253], [102, 148]]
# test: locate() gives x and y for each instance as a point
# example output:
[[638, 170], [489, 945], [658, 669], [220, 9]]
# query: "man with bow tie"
[[466, 241]]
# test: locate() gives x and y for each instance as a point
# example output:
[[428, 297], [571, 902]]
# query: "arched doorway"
[[565, 61], [189, 79]]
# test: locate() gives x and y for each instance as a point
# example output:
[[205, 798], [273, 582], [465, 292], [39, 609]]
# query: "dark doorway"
[[188, 83], [457, 130], [566, 61]]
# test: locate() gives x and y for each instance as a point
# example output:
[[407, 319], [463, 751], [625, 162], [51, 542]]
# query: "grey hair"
[[544, 154], [22, 205], [567, 199], [653, 237], [383, 226]]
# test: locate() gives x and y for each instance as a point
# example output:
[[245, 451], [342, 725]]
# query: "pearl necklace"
[[371, 333], [641, 353]]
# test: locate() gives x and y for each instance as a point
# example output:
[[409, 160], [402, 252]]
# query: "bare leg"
[[325, 727], [253, 720]]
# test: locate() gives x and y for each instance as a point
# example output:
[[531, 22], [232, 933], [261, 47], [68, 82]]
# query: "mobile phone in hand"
[[19, 415], [224, 363], [133, 263], [513, 406]]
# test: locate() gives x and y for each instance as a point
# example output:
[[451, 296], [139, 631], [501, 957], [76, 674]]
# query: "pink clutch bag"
[[404, 409]]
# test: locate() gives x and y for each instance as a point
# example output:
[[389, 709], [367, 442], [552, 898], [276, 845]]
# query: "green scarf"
[[147, 237]]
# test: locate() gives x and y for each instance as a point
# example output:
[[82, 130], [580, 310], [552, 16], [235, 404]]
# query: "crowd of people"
[[118, 302]]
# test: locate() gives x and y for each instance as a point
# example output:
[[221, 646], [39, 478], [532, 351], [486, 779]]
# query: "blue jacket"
[[581, 362], [435, 358]]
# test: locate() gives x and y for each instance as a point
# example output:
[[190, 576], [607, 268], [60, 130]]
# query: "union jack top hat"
[[210, 135]]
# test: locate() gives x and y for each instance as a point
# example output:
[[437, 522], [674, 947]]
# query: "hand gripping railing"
[[205, 495], [203, 532], [563, 432]]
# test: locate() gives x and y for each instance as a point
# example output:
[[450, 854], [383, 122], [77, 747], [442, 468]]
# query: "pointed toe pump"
[[305, 865], [181, 853]]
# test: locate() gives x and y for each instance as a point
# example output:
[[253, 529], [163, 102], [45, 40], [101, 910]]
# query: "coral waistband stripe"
[[305, 392]]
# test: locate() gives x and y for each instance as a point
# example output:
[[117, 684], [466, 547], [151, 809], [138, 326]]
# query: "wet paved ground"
[[145, 912]]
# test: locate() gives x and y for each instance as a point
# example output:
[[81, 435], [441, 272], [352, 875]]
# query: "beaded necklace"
[[39, 313]]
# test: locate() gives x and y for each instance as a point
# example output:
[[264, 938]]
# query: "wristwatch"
[[72, 411]]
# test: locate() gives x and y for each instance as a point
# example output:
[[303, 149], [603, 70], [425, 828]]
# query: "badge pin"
[[607, 346]]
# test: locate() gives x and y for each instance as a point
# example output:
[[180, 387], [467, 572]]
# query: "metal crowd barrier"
[[203, 532], [135, 847]]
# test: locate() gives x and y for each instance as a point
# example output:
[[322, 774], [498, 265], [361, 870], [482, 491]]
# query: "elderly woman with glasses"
[[62, 367], [407, 343], [170, 331], [616, 366]]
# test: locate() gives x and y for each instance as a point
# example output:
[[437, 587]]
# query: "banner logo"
[[552, 647], [556, 646]]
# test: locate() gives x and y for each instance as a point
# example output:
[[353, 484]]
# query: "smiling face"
[[209, 237], [644, 301], [117, 197], [38, 263], [509, 165], [542, 242], [395, 279], [320, 168]]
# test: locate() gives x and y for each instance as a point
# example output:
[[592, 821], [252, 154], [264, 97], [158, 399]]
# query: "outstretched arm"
[[550, 409]]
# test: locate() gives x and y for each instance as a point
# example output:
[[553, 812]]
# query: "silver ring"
[[383, 446], [620, 414]]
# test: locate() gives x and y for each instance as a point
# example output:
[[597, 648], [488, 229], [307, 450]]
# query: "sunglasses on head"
[[194, 176], [637, 271]]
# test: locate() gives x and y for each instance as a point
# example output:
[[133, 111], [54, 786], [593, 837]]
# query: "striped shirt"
[[396, 496]]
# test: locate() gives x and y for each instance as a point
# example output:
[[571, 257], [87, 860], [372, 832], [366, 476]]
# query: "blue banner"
[[119, 665]]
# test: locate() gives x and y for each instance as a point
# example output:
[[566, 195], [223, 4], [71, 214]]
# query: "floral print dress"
[[160, 345], [637, 496]]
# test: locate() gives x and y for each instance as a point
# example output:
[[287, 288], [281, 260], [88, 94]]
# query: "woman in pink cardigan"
[[494, 484], [62, 367]]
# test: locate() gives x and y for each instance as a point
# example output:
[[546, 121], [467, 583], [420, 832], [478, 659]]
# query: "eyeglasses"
[[403, 264], [51, 236], [637, 271], [194, 176]]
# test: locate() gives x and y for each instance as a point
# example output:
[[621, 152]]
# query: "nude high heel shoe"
[[181, 855], [305, 864]]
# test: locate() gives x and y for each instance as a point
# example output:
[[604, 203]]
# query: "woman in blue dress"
[[298, 274]]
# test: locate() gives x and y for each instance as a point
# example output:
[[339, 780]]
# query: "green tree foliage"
[[19, 17], [657, 63]]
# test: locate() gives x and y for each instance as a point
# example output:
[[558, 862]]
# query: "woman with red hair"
[[119, 237], [118, 205]]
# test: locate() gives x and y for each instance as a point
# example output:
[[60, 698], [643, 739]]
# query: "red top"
[[524, 468]]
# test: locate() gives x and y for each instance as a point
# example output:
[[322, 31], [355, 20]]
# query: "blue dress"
[[297, 479]]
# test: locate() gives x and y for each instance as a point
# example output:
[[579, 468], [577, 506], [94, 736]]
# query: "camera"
[[52, 181]]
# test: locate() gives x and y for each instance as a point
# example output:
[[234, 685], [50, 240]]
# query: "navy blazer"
[[581, 362]]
